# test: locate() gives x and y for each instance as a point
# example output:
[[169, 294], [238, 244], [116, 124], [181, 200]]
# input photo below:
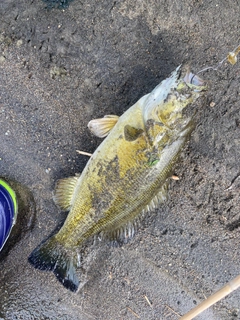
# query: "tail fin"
[[52, 256]]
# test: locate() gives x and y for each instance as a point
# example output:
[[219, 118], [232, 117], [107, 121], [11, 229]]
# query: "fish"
[[126, 177]]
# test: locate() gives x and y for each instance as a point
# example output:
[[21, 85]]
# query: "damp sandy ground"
[[61, 68]]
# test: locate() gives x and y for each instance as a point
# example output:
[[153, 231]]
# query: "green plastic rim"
[[13, 196]]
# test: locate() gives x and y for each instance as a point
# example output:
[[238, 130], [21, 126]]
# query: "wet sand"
[[61, 68]]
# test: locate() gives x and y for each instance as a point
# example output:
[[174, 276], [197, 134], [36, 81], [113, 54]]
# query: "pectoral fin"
[[64, 192], [101, 127]]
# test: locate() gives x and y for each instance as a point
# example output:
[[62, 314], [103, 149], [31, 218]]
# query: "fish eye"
[[191, 80]]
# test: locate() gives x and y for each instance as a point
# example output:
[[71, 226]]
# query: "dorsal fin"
[[101, 127], [64, 192], [123, 233]]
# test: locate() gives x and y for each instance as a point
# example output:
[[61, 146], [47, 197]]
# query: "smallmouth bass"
[[126, 176]]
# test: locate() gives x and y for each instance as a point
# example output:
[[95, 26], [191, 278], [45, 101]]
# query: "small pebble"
[[2, 59], [212, 104], [19, 43]]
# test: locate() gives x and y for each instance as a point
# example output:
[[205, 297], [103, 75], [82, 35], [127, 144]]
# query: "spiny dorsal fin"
[[101, 127], [122, 233], [64, 192]]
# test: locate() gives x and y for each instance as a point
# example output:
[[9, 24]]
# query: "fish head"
[[165, 104]]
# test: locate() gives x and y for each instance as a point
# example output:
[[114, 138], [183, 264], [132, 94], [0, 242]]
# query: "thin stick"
[[172, 310], [148, 301], [220, 294], [84, 153], [134, 313]]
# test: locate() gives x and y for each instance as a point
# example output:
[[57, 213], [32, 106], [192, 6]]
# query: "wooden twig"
[[148, 301], [134, 313], [84, 153], [171, 309], [220, 294]]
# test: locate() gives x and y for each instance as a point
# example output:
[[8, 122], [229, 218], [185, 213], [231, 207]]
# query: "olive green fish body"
[[119, 181], [127, 172]]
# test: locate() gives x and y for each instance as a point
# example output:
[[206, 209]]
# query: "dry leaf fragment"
[[232, 56]]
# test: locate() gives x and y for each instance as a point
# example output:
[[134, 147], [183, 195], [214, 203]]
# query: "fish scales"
[[113, 192], [125, 177], [101, 186]]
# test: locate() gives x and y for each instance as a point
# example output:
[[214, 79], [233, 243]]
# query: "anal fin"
[[64, 192], [124, 232]]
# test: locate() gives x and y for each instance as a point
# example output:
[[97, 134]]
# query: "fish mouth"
[[194, 81]]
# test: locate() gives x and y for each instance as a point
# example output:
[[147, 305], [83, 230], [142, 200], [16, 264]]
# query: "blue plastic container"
[[8, 211]]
